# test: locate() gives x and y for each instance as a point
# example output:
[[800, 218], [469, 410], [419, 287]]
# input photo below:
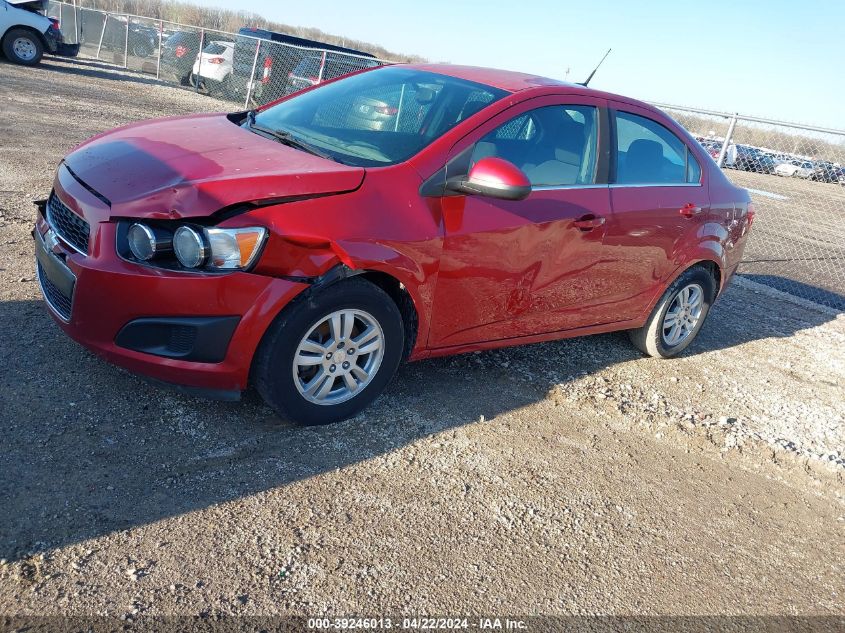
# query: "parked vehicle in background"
[[274, 64], [312, 69], [826, 172], [752, 159], [291, 248], [712, 147], [795, 168], [26, 33], [213, 66], [178, 54]]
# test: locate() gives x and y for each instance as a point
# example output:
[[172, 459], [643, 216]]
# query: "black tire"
[[31, 37], [650, 338], [272, 372]]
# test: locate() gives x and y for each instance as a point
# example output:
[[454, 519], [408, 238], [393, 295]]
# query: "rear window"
[[308, 67], [215, 48], [649, 153]]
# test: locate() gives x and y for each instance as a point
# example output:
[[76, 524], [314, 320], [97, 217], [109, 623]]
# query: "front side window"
[[648, 153], [381, 117], [553, 145]]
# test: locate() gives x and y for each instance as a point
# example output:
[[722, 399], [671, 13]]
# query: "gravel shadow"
[[90, 449]]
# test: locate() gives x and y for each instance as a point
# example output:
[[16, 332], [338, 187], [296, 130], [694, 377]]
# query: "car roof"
[[512, 81]]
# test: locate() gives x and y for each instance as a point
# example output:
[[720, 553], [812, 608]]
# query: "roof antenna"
[[596, 68]]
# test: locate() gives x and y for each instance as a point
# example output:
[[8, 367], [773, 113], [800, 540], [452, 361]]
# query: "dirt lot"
[[566, 478]]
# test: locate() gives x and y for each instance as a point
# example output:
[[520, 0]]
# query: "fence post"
[[102, 34], [199, 57], [721, 160], [322, 67], [252, 74], [75, 23], [126, 44], [158, 59]]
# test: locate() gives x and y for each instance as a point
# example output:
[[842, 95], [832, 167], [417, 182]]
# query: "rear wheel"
[[676, 320], [22, 46], [329, 355]]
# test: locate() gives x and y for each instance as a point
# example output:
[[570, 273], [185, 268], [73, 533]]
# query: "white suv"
[[26, 34]]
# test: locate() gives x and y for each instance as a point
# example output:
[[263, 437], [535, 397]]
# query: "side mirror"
[[495, 178]]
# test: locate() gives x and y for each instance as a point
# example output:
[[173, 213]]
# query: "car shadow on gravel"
[[89, 449]]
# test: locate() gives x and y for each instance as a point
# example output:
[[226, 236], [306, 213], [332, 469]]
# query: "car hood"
[[196, 165]]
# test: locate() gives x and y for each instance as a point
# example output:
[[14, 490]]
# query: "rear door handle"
[[588, 222], [689, 210]]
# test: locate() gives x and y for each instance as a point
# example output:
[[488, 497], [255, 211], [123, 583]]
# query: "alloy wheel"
[[683, 315], [338, 357]]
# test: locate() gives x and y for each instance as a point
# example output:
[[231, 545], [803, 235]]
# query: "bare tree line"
[[230, 21]]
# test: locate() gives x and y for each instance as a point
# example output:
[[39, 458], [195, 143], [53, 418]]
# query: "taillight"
[[216, 60], [55, 23], [386, 110], [751, 213], [181, 50], [268, 64]]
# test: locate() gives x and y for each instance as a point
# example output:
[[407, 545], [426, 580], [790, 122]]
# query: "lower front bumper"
[[109, 293]]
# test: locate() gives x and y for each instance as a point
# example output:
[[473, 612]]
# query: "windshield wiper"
[[286, 138]]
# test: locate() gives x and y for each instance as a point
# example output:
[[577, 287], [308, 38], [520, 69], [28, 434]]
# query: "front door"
[[517, 268]]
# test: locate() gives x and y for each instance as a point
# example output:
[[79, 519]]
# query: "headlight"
[[146, 242], [220, 249], [234, 248], [190, 246]]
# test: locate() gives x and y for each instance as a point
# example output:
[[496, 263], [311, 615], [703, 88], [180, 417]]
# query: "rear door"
[[659, 201]]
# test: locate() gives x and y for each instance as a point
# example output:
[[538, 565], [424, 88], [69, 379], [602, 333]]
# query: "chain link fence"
[[796, 177], [796, 174], [248, 70]]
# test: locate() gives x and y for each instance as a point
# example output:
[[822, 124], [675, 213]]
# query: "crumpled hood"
[[193, 166]]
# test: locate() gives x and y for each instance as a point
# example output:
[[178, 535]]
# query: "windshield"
[[378, 118]]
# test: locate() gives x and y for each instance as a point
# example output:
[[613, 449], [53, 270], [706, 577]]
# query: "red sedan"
[[395, 214]]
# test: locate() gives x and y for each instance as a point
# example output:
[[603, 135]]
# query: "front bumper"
[[105, 294]]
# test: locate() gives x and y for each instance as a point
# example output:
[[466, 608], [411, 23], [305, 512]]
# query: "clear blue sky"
[[771, 58]]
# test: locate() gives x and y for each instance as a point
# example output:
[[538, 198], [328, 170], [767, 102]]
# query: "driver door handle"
[[588, 222]]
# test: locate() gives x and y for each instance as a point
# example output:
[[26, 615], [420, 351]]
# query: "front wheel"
[[676, 320], [22, 46], [330, 354]]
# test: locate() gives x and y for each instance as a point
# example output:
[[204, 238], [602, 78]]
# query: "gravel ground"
[[566, 478]]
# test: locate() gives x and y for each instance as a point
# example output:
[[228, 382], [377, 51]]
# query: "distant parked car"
[[178, 54], [26, 33], [213, 66], [751, 159], [795, 169], [826, 172], [313, 69]]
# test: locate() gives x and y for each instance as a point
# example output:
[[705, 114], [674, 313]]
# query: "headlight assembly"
[[189, 246]]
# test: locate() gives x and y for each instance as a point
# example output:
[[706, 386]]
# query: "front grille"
[[55, 297], [69, 226]]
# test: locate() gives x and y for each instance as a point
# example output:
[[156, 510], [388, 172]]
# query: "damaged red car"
[[404, 212]]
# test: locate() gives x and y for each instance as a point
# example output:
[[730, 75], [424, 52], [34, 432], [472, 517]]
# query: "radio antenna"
[[596, 68]]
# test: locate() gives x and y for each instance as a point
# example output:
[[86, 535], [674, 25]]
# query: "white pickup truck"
[[26, 33]]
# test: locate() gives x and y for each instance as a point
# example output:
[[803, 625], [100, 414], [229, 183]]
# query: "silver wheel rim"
[[683, 315], [24, 48], [338, 357]]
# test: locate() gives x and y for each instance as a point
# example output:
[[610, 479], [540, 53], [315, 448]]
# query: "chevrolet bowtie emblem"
[[50, 240]]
